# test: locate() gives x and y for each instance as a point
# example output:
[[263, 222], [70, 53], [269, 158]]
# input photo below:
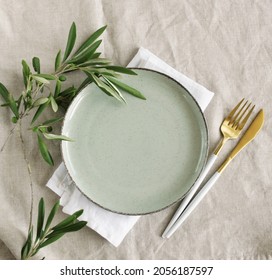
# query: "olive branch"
[[45, 90]]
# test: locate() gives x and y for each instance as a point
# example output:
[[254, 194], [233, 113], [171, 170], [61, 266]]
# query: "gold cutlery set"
[[230, 129]]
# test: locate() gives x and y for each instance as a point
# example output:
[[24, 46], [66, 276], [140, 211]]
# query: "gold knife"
[[249, 135]]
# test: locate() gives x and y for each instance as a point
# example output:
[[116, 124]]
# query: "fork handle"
[[193, 204], [221, 144], [191, 193]]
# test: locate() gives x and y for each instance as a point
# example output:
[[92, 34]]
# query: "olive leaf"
[[70, 42], [68, 92], [105, 88], [126, 88], [58, 60], [103, 71], [90, 40], [26, 72], [9, 100], [50, 240], [111, 84], [40, 101], [51, 216], [75, 226], [44, 150], [28, 244], [36, 64], [57, 88], [121, 69], [96, 61], [54, 104], [51, 136], [68, 221], [52, 121], [39, 111], [86, 54], [96, 55], [40, 79], [40, 220]]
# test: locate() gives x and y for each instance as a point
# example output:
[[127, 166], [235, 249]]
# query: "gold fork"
[[233, 123], [230, 129]]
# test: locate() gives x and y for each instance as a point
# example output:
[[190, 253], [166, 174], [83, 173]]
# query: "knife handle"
[[191, 193], [204, 190]]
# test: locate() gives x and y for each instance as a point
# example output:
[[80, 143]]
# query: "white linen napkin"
[[114, 227]]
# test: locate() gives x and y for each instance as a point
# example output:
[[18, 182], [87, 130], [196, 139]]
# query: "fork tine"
[[240, 114], [235, 119], [228, 118], [242, 124]]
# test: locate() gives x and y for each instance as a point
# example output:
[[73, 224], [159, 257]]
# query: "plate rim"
[[169, 205]]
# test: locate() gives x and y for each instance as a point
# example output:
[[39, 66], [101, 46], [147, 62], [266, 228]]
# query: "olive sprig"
[[47, 90], [38, 95]]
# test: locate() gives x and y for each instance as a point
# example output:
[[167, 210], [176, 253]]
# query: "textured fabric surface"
[[224, 45]]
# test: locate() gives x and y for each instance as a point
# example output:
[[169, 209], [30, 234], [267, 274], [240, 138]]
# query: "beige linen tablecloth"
[[224, 45]]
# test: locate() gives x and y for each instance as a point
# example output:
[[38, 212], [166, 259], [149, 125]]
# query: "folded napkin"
[[112, 226]]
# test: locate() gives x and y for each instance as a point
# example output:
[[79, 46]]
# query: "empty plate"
[[140, 157]]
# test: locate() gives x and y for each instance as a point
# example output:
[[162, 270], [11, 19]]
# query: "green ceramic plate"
[[140, 157]]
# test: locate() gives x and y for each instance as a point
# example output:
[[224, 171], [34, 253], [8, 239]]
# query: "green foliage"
[[46, 234], [37, 94]]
